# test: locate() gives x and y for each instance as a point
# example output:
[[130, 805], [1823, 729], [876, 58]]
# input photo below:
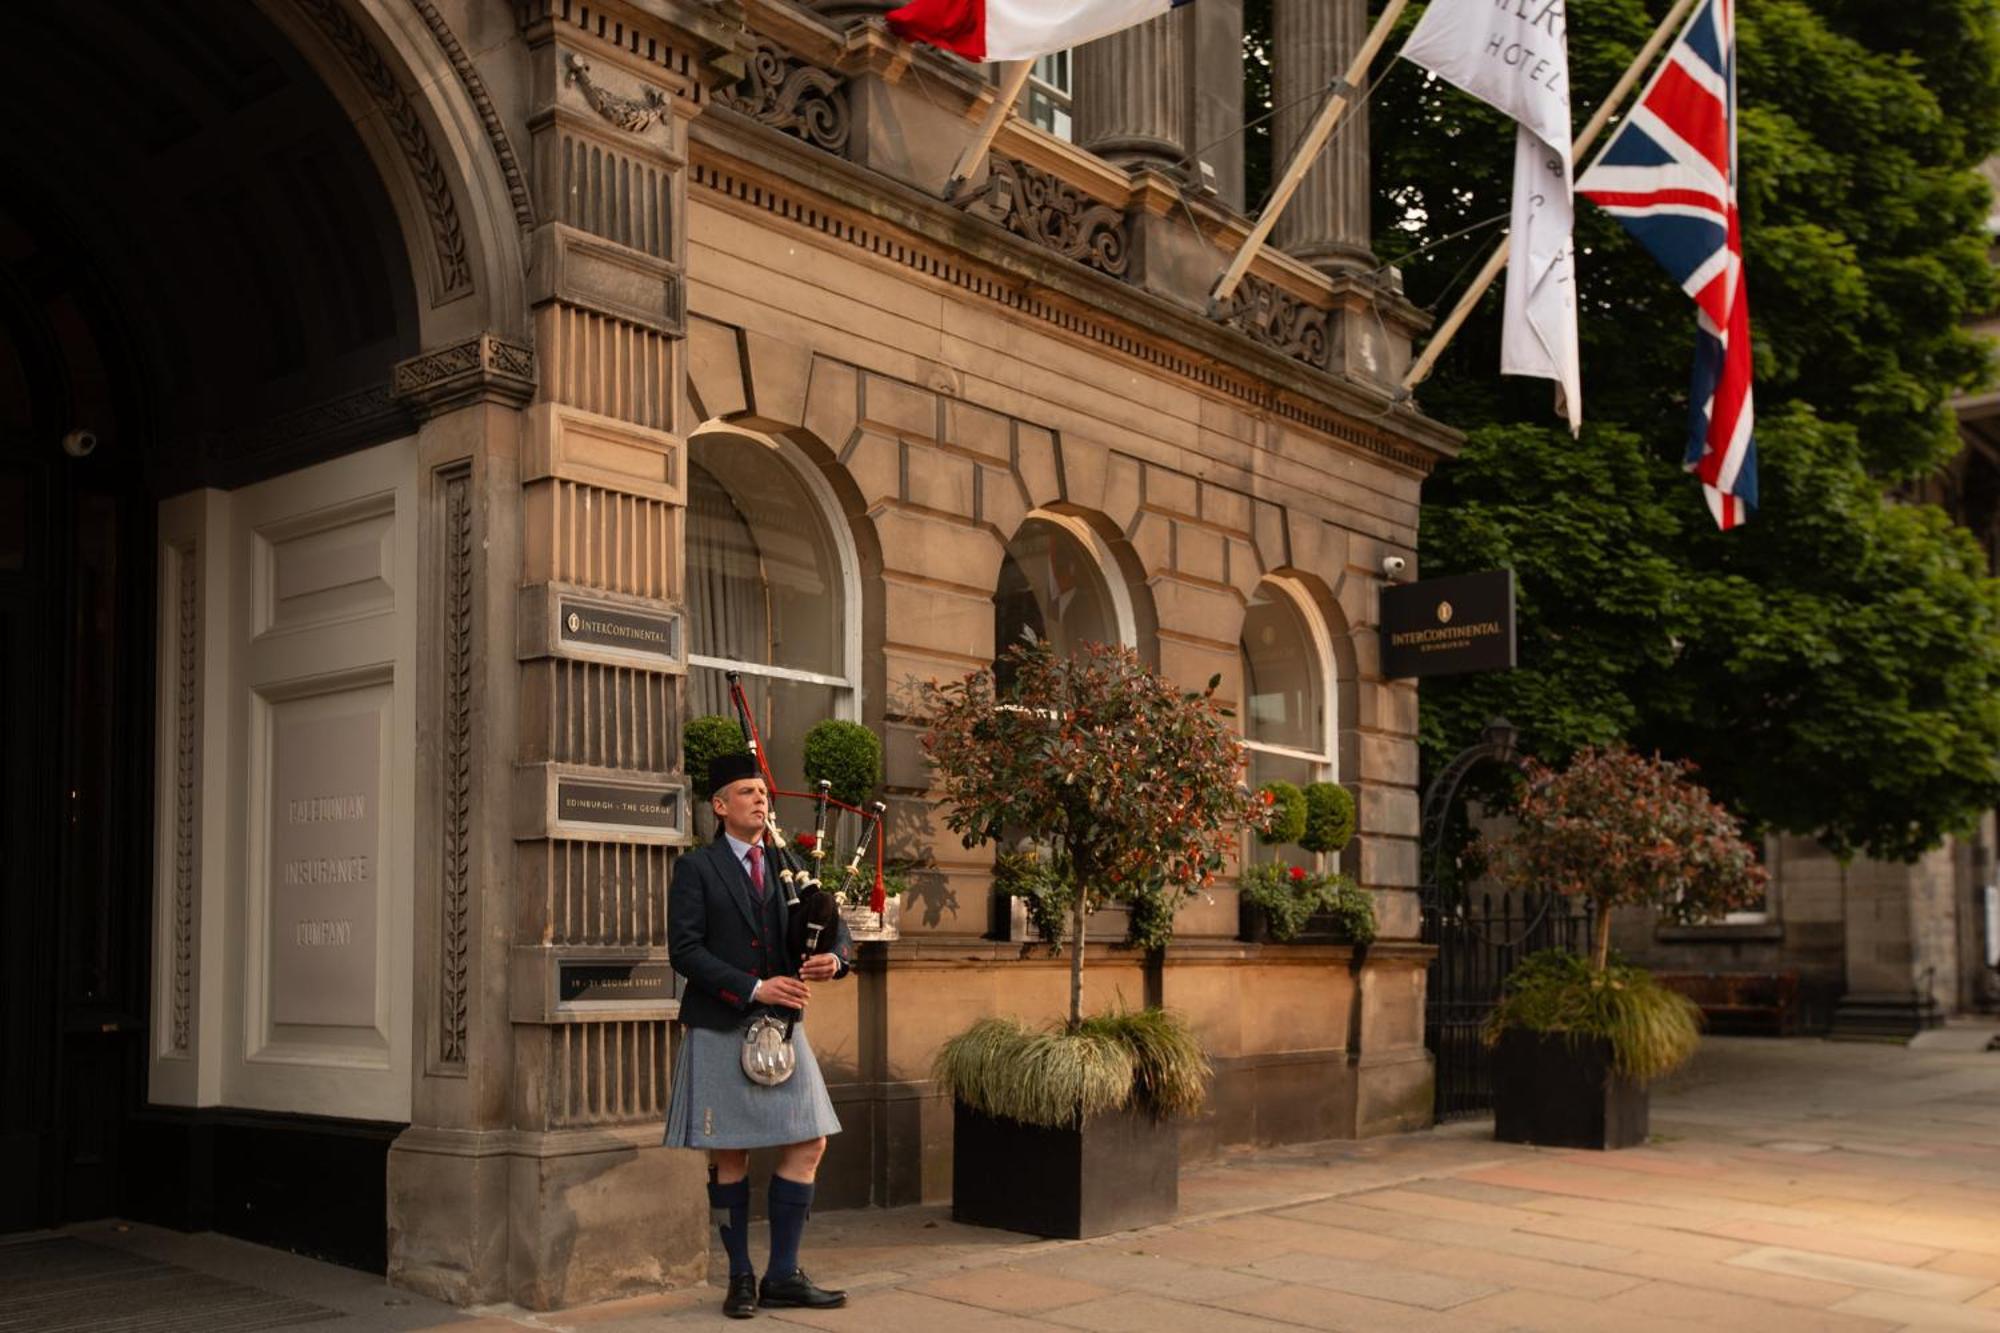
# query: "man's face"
[[741, 806]]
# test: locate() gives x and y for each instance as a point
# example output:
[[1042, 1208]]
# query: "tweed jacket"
[[717, 938]]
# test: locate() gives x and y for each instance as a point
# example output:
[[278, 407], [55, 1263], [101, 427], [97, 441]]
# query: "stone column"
[[551, 763], [1132, 97], [1327, 222]]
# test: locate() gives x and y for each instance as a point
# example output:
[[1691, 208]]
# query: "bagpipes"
[[812, 912]]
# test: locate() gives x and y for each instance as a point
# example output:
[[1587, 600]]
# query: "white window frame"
[[847, 690], [1057, 96], [1328, 757], [1109, 572]]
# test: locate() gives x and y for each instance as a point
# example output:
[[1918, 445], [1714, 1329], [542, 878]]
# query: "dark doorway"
[[202, 284]]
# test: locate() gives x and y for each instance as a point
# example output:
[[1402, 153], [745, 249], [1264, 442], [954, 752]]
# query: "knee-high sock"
[[790, 1202], [729, 1205]]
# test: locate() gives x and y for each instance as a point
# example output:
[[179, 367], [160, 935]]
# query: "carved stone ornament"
[[489, 115], [481, 369], [790, 95], [187, 686], [633, 114], [1051, 213], [455, 835], [400, 114], [1276, 318]]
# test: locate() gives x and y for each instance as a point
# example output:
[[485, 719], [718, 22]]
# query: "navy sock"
[[729, 1205], [790, 1203]]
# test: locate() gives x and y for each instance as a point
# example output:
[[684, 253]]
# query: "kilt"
[[715, 1105]]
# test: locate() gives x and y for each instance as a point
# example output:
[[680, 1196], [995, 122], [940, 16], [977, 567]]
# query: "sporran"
[[768, 1057]]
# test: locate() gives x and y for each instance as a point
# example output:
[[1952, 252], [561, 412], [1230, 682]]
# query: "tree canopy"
[[1832, 667]]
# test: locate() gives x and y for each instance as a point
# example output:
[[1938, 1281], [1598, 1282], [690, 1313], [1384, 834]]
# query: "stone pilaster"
[[1327, 222], [1132, 97], [552, 763]]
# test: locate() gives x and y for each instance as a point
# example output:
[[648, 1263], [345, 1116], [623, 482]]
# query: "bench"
[[1742, 1002]]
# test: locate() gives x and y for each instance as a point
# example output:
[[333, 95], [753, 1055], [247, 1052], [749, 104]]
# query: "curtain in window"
[[729, 604]]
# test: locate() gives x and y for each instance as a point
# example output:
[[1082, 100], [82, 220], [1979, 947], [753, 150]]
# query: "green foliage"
[[1834, 665], [1044, 885], [1616, 827], [846, 754], [1286, 820], [858, 889], [1652, 1030], [1054, 1075], [1038, 1076], [1291, 895], [1170, 1070], [1133, 783], [1329, 817], [704, 739]]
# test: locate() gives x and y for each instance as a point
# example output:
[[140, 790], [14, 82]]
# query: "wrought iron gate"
[[1479, 938]]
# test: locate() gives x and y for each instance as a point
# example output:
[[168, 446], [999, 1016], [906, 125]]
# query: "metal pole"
[[1308, 152], [1599, 119]]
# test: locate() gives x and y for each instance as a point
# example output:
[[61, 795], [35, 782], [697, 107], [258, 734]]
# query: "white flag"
[[1513, 55]]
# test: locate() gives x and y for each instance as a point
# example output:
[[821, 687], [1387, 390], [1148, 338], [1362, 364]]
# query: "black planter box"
[[1113, 1173], [1550, 1090]]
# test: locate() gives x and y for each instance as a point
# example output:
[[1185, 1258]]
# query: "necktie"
[[756, 855]]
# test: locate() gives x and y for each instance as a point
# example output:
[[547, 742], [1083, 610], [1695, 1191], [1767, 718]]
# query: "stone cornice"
[[748, 169]]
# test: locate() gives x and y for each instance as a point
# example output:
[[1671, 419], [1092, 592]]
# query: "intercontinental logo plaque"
[[1444, 627], [560, 621], [325, 837]]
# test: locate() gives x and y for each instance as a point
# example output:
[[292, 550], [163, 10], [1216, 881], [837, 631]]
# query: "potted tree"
[[1134, 786], [1578, 1039]]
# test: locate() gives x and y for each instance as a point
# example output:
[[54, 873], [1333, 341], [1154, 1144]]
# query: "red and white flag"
[[1018, 29]]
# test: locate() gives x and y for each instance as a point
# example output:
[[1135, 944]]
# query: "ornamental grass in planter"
[[1134, 788], [1577, 1040]]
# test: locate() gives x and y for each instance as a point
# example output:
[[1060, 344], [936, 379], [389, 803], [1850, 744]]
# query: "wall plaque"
[[642, 632], [1443, 627], [580, 982], [616, 805], [325, 844], [594, 625]]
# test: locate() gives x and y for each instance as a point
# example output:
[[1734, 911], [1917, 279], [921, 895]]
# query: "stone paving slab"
[[1789, 1185]]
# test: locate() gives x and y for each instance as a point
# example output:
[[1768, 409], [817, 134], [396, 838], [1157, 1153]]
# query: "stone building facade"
[[461, 331]]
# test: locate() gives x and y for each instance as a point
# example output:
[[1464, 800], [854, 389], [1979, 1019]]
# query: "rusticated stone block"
[[715, 370], [899, 407], [780, 373], [938, 480], [1187, 608], [1123, 489], [1224, 508], [1035, 455], [1175, 492], [590, 1226], [1390, 810], [1083, 466], [1385, 863], [929, 616], [937, 548], [1270, 530], [1201, 553], [979, 431], [1001, 504], [833, 403], [875, 463]]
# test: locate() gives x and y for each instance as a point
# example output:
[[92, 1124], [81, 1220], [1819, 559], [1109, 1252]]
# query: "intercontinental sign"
[[1443, 627]]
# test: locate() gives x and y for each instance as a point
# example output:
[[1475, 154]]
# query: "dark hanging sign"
[[1448, 626], [613, 983]]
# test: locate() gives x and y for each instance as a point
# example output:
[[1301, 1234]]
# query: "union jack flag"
[[1669, 175]]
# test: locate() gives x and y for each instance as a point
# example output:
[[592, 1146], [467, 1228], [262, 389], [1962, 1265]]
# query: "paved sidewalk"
[[1790, 1185]]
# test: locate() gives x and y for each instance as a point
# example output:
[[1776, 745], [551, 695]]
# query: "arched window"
[[1287, 698], [770, 583], [1052, 582]]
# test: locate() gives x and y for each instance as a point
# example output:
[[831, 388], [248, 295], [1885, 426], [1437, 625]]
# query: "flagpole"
[[1308, 151], [1498, 259], [1004, 97]]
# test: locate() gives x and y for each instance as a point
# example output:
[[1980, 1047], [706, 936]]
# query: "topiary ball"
[[1329, 817], [846, 754], [1288, 814], [705, 738]]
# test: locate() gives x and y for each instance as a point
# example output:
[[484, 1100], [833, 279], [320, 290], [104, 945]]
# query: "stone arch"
[[431, 147]]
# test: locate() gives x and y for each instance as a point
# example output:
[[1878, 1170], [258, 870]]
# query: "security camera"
[[1392, 565], [80, 443]]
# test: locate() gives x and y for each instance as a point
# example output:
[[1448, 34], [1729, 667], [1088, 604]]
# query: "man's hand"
[[787, 991], [820, 967]]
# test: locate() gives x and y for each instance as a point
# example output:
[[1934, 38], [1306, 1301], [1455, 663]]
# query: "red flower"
[[1298, 874], [806, 842]]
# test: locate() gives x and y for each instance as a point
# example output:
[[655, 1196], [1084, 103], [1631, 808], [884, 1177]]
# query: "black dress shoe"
[[798, 1291], [741, 1302]]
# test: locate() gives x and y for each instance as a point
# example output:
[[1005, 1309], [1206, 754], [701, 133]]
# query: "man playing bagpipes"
[[750, 930]]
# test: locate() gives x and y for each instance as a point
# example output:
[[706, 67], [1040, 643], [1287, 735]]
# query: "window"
[[769, 593], [1287, 717], [1052, 583], [1049, 95]]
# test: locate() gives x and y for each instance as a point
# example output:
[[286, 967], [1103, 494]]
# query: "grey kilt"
[[715, 1105]]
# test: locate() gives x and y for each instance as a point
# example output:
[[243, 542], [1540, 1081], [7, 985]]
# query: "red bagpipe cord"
[[878, 900]]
